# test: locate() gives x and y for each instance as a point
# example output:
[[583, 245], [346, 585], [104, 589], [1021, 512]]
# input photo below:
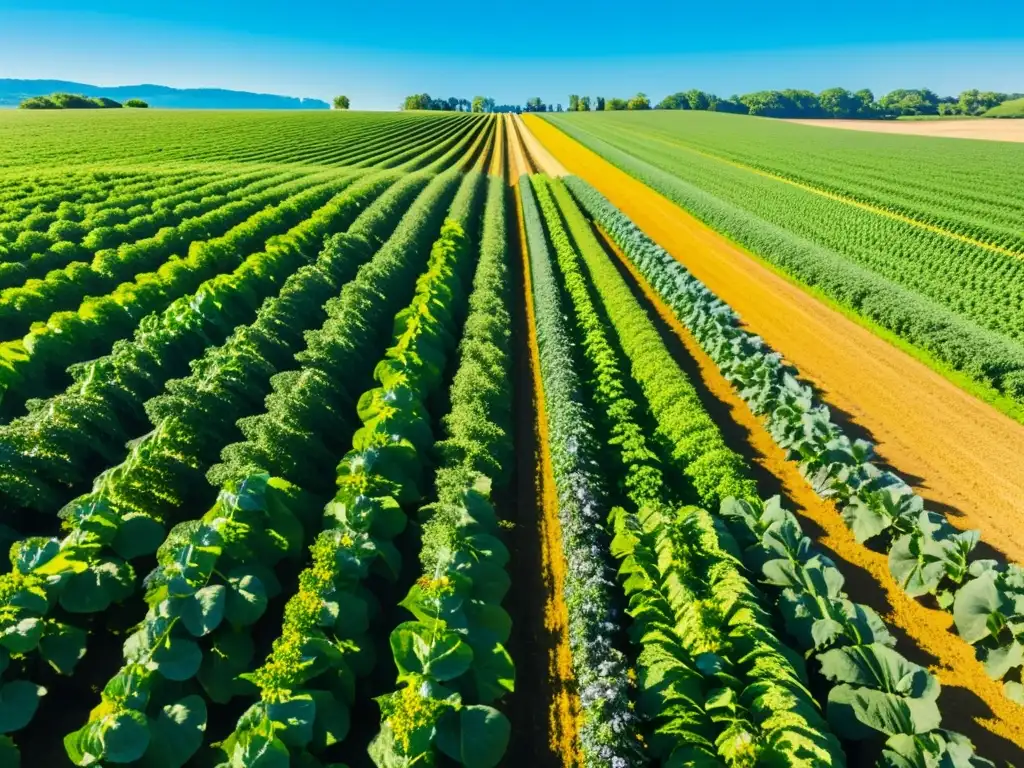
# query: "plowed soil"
[[961, 454], [989, 129]]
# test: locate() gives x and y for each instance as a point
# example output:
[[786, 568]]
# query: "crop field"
[[394, 440], [919, 236]]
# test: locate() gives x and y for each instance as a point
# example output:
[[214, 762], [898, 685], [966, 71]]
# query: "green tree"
[[639, 102], [838, 102], [534, 104], [674, 101], [584, 104], [599, 106], [478, 103], [867, 106], [38, 102], [801, 103], [341, 102], [698, 99], [615, 105], [136, 104], [574, 102], [418, 101]]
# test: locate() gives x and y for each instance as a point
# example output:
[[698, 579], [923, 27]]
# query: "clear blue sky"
[[376, 51]]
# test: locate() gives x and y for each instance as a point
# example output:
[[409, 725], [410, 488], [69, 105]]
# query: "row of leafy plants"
[[306, 684], [609, 727], [968, 322], [92, 203], [35, 366], [715, 683], [36, 253], [233, 538], [927, 555], [452, 663], [62, 289], [75, 434], [874, 690], [64, 194], [124, 519]]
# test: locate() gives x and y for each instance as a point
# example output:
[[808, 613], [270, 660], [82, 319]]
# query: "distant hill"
[[1012, 108], [13, 91]]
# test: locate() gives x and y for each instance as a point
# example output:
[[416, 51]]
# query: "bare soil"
[[989, 129]]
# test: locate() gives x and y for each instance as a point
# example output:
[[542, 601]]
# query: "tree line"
[[455, 104], [78, 101], [832, 102]]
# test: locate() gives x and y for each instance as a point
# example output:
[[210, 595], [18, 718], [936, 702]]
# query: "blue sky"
[[378, 51]]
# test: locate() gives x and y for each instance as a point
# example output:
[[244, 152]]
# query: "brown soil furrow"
[[961, 454], [545, 653], [518, 161], [971, 702], [542, 160]]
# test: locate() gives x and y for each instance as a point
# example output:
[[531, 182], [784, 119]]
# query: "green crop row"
[[867, 696], [446, 707], [927, 555], [306, 684], [737, 693], [954, 300], [609, 726]]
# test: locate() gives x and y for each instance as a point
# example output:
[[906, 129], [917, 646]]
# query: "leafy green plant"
[[875, 689], [609, 725], [305, 683], [451, 659], [927, 555]]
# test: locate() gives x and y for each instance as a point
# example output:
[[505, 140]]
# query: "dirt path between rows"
[[545, 704], [989, 129], [961, 454], [541, 158], [971, 702]]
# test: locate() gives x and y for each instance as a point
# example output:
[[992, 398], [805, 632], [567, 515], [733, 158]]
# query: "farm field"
[[982, 129], [384, 440], [918, 236]]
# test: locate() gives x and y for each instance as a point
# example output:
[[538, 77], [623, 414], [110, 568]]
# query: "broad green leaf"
[[19, 700], [860, 713], [440, 654], [293, 719], [178, 659], [63, 646], [999, 661], [23, 636], [32, 553], [93, 591], [977, 604], [203, 612], [880, 667], [246, 599], [176, 734], [493, 673], [124, 737], [332, 721], [476, 736], [137, 536]]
